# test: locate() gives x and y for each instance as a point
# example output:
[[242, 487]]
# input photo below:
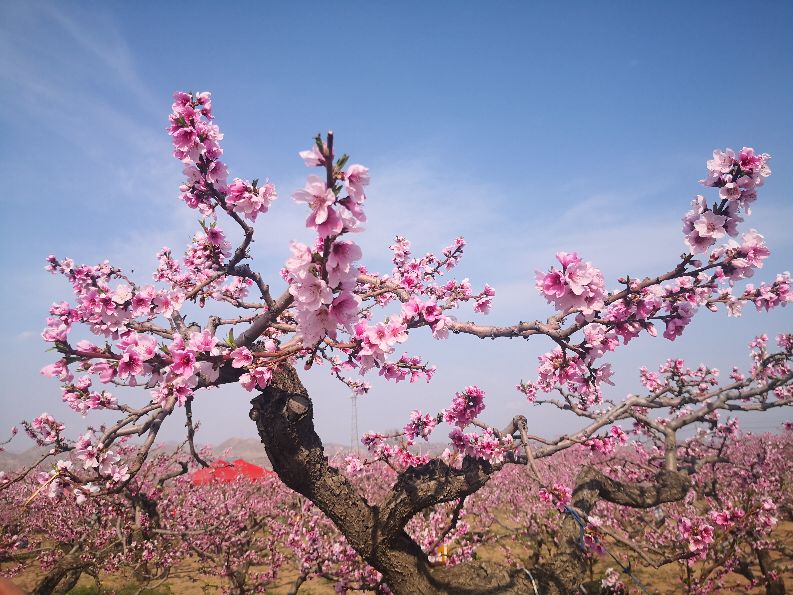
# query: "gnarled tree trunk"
[[283, 414], [63, 577], [774, 583]]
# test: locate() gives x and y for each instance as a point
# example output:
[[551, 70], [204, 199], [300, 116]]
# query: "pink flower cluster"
[[703, 226], [395, 454], [106, 310], [407, 366], [109, 465], [44, 429], [81, 399], [323, 295], [196, 142], [415, 273], [630, 316], [420, 425], [376, 341], [465, 406], [416, 312], [559, 369], [737, 178], [607, 444], [768, 296], [577, 285], [207, 252], [487, 445], [559, 495], [419, 276], [697, 533], [320, 200], [188, 362], [329, 215], [256, 378], [650, 380], [322, 282], [611, 583], [727, 517], [249, 199]]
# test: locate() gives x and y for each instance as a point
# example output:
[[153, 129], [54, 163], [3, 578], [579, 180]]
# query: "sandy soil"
[[185, 578]]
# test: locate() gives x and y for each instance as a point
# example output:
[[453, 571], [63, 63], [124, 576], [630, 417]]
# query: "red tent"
[[224, 472]]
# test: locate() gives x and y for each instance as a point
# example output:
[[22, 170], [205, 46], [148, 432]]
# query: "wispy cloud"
[[83, 81]]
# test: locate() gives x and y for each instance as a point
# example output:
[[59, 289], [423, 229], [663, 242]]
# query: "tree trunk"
[[66, 569], [774, 583], [283, 414]]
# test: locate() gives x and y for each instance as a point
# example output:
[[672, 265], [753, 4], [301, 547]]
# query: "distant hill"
[[252, 450], [249, 449], [10, 460]]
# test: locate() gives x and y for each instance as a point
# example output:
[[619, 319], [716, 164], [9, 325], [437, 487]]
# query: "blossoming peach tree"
[[334, 310]]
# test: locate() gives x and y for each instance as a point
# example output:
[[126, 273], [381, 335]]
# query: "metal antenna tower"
[[355, 443]]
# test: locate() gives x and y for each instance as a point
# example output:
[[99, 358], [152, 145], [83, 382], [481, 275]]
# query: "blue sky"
[[527, 128]]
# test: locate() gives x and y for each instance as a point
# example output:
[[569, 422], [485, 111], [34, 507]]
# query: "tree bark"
[[67, 568], [774, 583]]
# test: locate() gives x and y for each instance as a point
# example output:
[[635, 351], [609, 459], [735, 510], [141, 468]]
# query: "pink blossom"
[[215, 236], [130, 364], [300, 261], [319, 199], [315, 324], [104, 370], [312, 157], [380, 336], [466, 405], [166, 303], [698, 534], [311, 293], [357, 176], [484, 446], [59, 369], [141, 301], [241, 357], [47, 428], [420, 425], [344, 309], [577, 285], [183, 362], [339, 264], [256, 378], [706, 230], [145, 347], [250, 200], [204, 341], [411, 308], [560, 495], [353, 465], [431, 312], [56, 330]]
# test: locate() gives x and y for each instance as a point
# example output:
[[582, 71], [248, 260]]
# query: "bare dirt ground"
[[186, 579]]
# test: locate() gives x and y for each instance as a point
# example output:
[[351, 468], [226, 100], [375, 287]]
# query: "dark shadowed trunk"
[[63, 576], [283, 414], [774, 583]]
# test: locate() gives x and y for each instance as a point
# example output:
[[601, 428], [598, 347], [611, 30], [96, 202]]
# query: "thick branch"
[[591, 484], [258, 326]]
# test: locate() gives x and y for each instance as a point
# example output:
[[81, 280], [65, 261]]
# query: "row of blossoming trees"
[[334, 311], [260, 535]]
